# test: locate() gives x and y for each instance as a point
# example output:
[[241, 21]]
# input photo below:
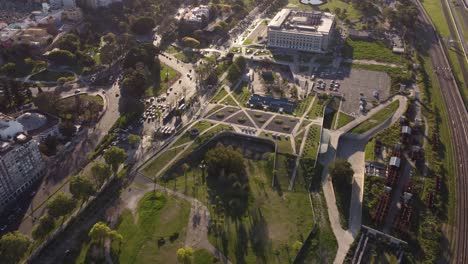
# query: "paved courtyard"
[[354, 82]]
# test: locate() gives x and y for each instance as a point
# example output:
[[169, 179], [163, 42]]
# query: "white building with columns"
[[301, 30]]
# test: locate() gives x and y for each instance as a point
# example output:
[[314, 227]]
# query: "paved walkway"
[[346, 237]]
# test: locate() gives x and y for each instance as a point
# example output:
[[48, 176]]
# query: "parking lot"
[[354, 85]]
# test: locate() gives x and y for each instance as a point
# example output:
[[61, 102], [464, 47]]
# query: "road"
[[65, 164], [459, 127]]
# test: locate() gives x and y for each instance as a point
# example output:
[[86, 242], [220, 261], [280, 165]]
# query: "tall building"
[[21, 162], [301, 30]]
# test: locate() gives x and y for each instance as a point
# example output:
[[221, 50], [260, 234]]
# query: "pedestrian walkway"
[[346, 237]]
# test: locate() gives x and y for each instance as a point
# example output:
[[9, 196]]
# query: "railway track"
[[458, 118]]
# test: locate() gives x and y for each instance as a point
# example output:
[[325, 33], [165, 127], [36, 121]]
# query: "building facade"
[[301, 30], [21, 164]]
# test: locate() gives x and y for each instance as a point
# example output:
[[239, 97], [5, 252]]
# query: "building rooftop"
[[302, 21], [395, 161], [32, 121]]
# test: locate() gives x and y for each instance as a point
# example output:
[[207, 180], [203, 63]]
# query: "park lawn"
[[247, 41], [365, 50], [242, 93], [229, 101], [331, 5], [203, 256], [312, 144], [318, 108], [50, 76], [377, 119], [343, 119], [283, 144], [66, 108], [369, 153], [276, 217], [214, 109], [186, 137], [219, 95], [302, 106], [157, 216], [274, 221], [298, 140], [157, 164]]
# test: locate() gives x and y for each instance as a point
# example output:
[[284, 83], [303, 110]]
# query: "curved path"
[[346, 237]]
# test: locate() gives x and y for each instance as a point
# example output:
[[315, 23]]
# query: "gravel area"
[[240, 119], [282, 124], [259, 117], [223, 113]]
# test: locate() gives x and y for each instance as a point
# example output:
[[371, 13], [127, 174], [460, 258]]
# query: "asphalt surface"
[[459, 127]]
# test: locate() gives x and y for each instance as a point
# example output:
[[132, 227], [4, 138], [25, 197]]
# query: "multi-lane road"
[[458, 121]]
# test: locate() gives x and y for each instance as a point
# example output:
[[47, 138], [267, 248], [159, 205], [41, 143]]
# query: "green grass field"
[[331, 5], [343, 119], [242, 94], [435, 11], [378, 51], [157, 164], [302, 106], [283, 144], [157, 216], [312, 145], [377, 119], [219, 95], [317, 108], [50, 76], [185, 138], [369, 151]]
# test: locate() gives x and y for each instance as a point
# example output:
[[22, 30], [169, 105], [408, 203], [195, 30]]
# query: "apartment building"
[[301, 30], [21, 163]]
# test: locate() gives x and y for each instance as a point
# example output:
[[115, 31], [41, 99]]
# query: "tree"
[[240, 63], [47, 102], [99, 232], [60, 205], [133, 139], [108, 53], [233, 73], [223, 160], [114, 157], [45, 226], [134, 84], [100, 172], [13, 246], [185, 255], [67, 128], [142, 25], [142, 53], [185, 168], [8, 69], [62, 57], [81, 187], [49, 146], [69, 42], [297, 246], [341, 171]]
